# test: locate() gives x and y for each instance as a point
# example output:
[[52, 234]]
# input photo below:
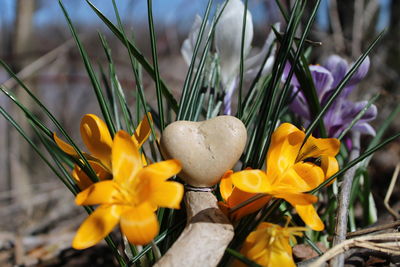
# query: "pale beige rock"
[[205, 237], [205, 149]]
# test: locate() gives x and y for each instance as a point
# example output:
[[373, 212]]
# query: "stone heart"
[[205, 149]]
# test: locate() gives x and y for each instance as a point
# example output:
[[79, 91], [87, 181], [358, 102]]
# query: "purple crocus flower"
[[342, 112]]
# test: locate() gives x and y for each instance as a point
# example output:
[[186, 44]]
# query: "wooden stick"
[[364, 242], [344, 201], [373, 229], [390, 191], [205, 237]]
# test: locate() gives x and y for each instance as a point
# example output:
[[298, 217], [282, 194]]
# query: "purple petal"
[[333, 124], [323, 80], [351, 110], [360, 73], [357, 77], [334, 120], [285, 75], [338, 67], [299, 104], [370, 114], [345, 114], [364, 128], [348, 142]]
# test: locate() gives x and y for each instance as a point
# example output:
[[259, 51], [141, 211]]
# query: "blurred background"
[[38, 217]]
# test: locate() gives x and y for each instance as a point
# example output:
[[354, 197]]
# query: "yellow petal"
[[260, 247], [310, 217], [67, 148], [316, 147], [310, 173], [152, 186], [161, 170], [296, 199], [290, 181], [280, 257], [139, 224], [97, 226], [97, 138], [167, 195], [126, 161], [330, 166], [105, 192], [281, 133], [83, 180], [282, 152], [252, 181], [238, 196], [143, 130], [225, 185]]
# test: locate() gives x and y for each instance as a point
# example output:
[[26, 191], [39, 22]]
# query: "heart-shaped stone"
[[205, 149]]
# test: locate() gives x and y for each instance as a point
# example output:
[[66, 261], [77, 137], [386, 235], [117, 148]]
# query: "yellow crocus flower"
[[269, 245], [98, 140], [233, 196], [292, 170], [130, 198]]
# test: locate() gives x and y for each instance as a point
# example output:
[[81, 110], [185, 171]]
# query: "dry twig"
[[358, 27], [40, 63], [390, 191], [336, 27], [374, 229], [344, 200], [387, 243]]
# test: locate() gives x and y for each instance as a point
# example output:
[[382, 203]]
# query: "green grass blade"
[[33, 119], [258, 98], [37, 150], [136, 73], [282, 9], [110, 93], [92, 75], [381, 131], [153, 44], [27, 113], [212, 84], [195, 88], [285, 92], [187, 103], [384, 126], [304, 76], [117, 90], [67, 181], [251, 92], [200, 102], [38, 123], [241, 64], [137, 54], [263, 121], [192, 65]]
